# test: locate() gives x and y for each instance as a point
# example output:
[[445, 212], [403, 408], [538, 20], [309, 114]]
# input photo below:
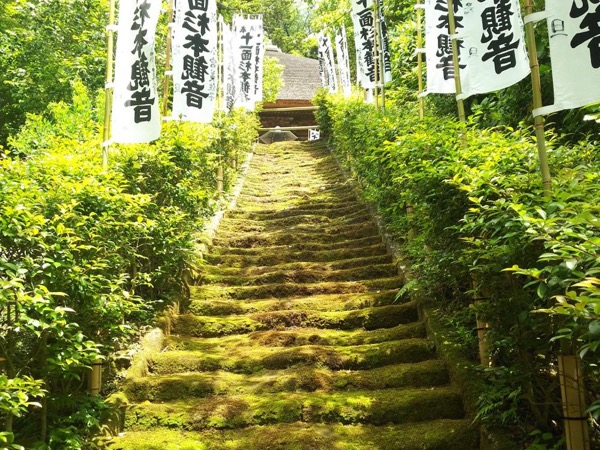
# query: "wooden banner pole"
[[375, 57], [538, 122], [420, 60], [168, 65], [456, 61], [110, 40], [572, 390], [381, 56]]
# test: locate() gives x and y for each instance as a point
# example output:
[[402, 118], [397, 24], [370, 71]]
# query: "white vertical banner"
[[135, 114], [574, 30], [245, 37], [195, 64], [385, 45], [438, 47], [343, 59], [229, 70], [328, 61], [493, 45], [364, 33], [259, 57]]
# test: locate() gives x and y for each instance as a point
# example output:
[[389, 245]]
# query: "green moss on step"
[[300, 378], [371, 318], [256, 359], [352, 407], [435, 435], [327, 302], [281, 255], [296, 289], [313, 275], [209, 326]]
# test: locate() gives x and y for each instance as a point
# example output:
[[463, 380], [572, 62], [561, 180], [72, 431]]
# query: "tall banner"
[[438, 46], [493, 43], [363, 18], [229, 72], [246, 35], [343, 59], [327, 63], [259, 56], [364, 34], [135, 115], [574, 29], [195, 62], [385, 45]]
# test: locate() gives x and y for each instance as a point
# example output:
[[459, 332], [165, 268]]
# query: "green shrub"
[[89, 256], [478, 214]]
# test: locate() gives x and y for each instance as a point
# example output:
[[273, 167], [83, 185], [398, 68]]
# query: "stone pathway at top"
[[293, 339]]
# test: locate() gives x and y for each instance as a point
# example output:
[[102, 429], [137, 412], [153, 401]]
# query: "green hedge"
[[89, 256], [479, 215]]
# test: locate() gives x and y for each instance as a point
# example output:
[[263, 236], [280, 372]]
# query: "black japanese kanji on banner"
[[195, 60]]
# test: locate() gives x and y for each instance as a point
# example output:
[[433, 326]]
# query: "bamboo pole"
[[456, 61], [110, 40], [420, 61], [375, 56], [220, 177], [538, 122], [95, 378], [168, 66], [381, 56], [573, 395]]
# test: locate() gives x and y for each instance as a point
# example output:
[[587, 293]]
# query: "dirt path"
[[294, 340]]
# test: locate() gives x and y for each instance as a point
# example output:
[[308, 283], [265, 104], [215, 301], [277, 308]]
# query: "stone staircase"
[[294, 339]]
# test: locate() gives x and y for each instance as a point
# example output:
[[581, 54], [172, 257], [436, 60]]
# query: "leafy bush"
[[473, 201], [89, 256]]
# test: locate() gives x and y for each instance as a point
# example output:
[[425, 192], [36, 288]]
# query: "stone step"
[[365, 232], [165, 388], [256, 359], [369, 319], [442, 434], [295, 337], [301, 276], [297, 289], [301, 223], [390, 406], [252, 271], [283, 254], [309, 245], [286, 214], [325, 303], [303, 201]]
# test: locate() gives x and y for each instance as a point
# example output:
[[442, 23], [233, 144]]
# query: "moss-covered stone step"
[[352, 407], [301, 241], [294, 337], [252, 271], [255, 359], [351, 209], [308, 246], [442, 434], [315, 275], [307, 378], [283, 255], [323, 192], [329, 302], [300, 224], [368, 318], [265, 204], [309, 180], [296, 289]]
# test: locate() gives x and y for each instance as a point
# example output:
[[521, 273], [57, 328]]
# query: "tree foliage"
[[45, 46]]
